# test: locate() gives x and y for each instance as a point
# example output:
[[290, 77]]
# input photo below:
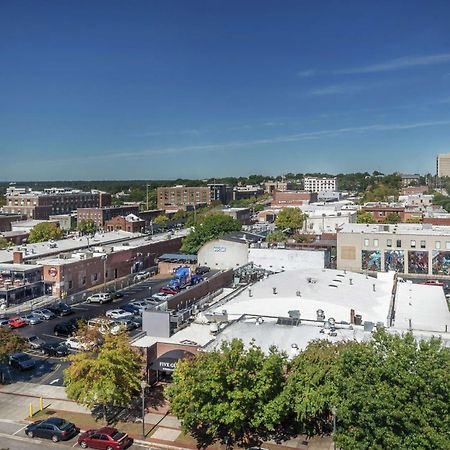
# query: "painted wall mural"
[[440, 263], [394, 260], [371, 260], [417, 262]]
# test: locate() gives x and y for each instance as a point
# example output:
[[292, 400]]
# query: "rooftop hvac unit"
[[214, 328], [368, 326], [320, 315], [294, 314], [298, 293], [358, 319]]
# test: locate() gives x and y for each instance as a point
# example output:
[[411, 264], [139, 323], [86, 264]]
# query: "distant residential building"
[[437, 218], [443, 165], [411, 190], [418, 200], [317, 184], [271, 186], [130, 223], [41, 204], [180, 197], [101, 215], [292, 198], [245, 192], [220, 192], [409, 179]]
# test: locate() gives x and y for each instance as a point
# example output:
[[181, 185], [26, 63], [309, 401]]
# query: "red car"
[[168, 290], [434, 283], [106, 438], [17, 322]]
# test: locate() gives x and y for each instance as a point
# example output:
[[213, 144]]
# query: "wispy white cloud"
[[397, 64], [337, 89], [238, 145], [307, 73], [192, 132]]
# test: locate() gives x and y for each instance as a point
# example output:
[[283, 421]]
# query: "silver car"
[[31, 319], [44, 314]]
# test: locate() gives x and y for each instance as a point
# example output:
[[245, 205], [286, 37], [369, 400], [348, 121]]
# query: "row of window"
[[413, 243]]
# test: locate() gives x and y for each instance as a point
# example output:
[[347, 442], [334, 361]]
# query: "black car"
[[61, 309], [115, 294], [55, 349], [201, 270], [21, 361], [54, 428], [130, 308], [66, 329]]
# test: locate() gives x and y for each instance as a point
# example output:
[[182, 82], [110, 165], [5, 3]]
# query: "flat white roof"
[[326, 289], [423, 307], [401, 228]]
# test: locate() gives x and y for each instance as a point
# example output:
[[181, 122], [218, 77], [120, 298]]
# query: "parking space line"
[[20, 429], [49, 375], [76, 443], [55, 337]]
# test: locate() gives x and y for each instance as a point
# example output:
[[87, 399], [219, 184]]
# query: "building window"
[[437, 245], [389, 243], [399, 243], [447, 245], [423, 244], [95, 276], [70, 284], [83, 280], [375, 242], [366, 242], [413, 244]]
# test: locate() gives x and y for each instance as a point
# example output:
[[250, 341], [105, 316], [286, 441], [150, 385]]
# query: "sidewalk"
[[163, 430]]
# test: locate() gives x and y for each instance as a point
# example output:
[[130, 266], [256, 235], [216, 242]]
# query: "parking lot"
[[12, 436], [49, 370]]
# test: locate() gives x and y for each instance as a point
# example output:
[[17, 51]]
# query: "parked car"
[[141, 305], [54, 428], [17, 322], [106, 438], [118, 314], [61, 309], [141, 276], [196, 279], [201, 270], [35, 342], [168, 290], [4, 323], [116, 327], [44, 314], [101, 298], [434, 283], [21, 361], [115, 294], [130, 308], [55, 349], [31, 319], [161, 297], [128, 324], [74, 343]]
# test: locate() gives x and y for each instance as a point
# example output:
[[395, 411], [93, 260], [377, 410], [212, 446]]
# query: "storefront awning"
[[168, 360]]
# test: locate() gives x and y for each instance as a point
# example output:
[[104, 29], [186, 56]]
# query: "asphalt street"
[[12, 437], [50, 370]]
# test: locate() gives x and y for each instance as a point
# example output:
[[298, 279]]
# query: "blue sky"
[[164, 89]]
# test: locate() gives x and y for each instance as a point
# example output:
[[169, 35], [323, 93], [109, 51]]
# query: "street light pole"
[[143, 386], [104, 257]]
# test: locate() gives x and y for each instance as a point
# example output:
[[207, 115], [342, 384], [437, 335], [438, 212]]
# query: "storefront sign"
[[53, 271]]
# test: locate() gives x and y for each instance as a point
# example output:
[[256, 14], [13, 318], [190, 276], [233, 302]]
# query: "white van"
[[101, 298]]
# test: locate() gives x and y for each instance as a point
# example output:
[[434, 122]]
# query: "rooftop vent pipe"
[[274, 291]]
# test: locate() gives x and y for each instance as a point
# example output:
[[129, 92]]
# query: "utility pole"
[[147, 196]]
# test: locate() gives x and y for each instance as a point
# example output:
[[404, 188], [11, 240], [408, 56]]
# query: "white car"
[[74, 343], [161, 297], [99, 298], [141, 276], [118, 314]]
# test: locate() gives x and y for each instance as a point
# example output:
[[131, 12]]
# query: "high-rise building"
[[443, 165]]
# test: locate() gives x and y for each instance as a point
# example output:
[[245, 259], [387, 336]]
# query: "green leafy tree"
[[276, 236], [212, 226], [231, 396], [392, 218], [364, 217], [87, 227], [394, 393], [289, 218], [4, 243], [108, 376], [161, 220], [10, 343], [44, 231]]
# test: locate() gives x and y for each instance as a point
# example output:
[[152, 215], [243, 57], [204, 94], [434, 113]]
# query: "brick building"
[[292, 198], [101, 215], [180, 197], [380, 211], [41, 204], [7, 219], [130, 223]]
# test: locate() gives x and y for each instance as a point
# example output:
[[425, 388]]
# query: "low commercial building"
[[416, 200], [409, 179], [169, 262], [243, 215], [380, 210], [220, 192], [436, 218], [67, 222], [246, 192], [292, 198], [319, 222], [272, 186], [413, 249], [411, 190], [129, 223], [101, 215], [7, 219]]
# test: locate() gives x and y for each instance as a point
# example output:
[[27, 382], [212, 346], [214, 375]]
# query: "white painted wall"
[[221, 254], [285, 259]]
